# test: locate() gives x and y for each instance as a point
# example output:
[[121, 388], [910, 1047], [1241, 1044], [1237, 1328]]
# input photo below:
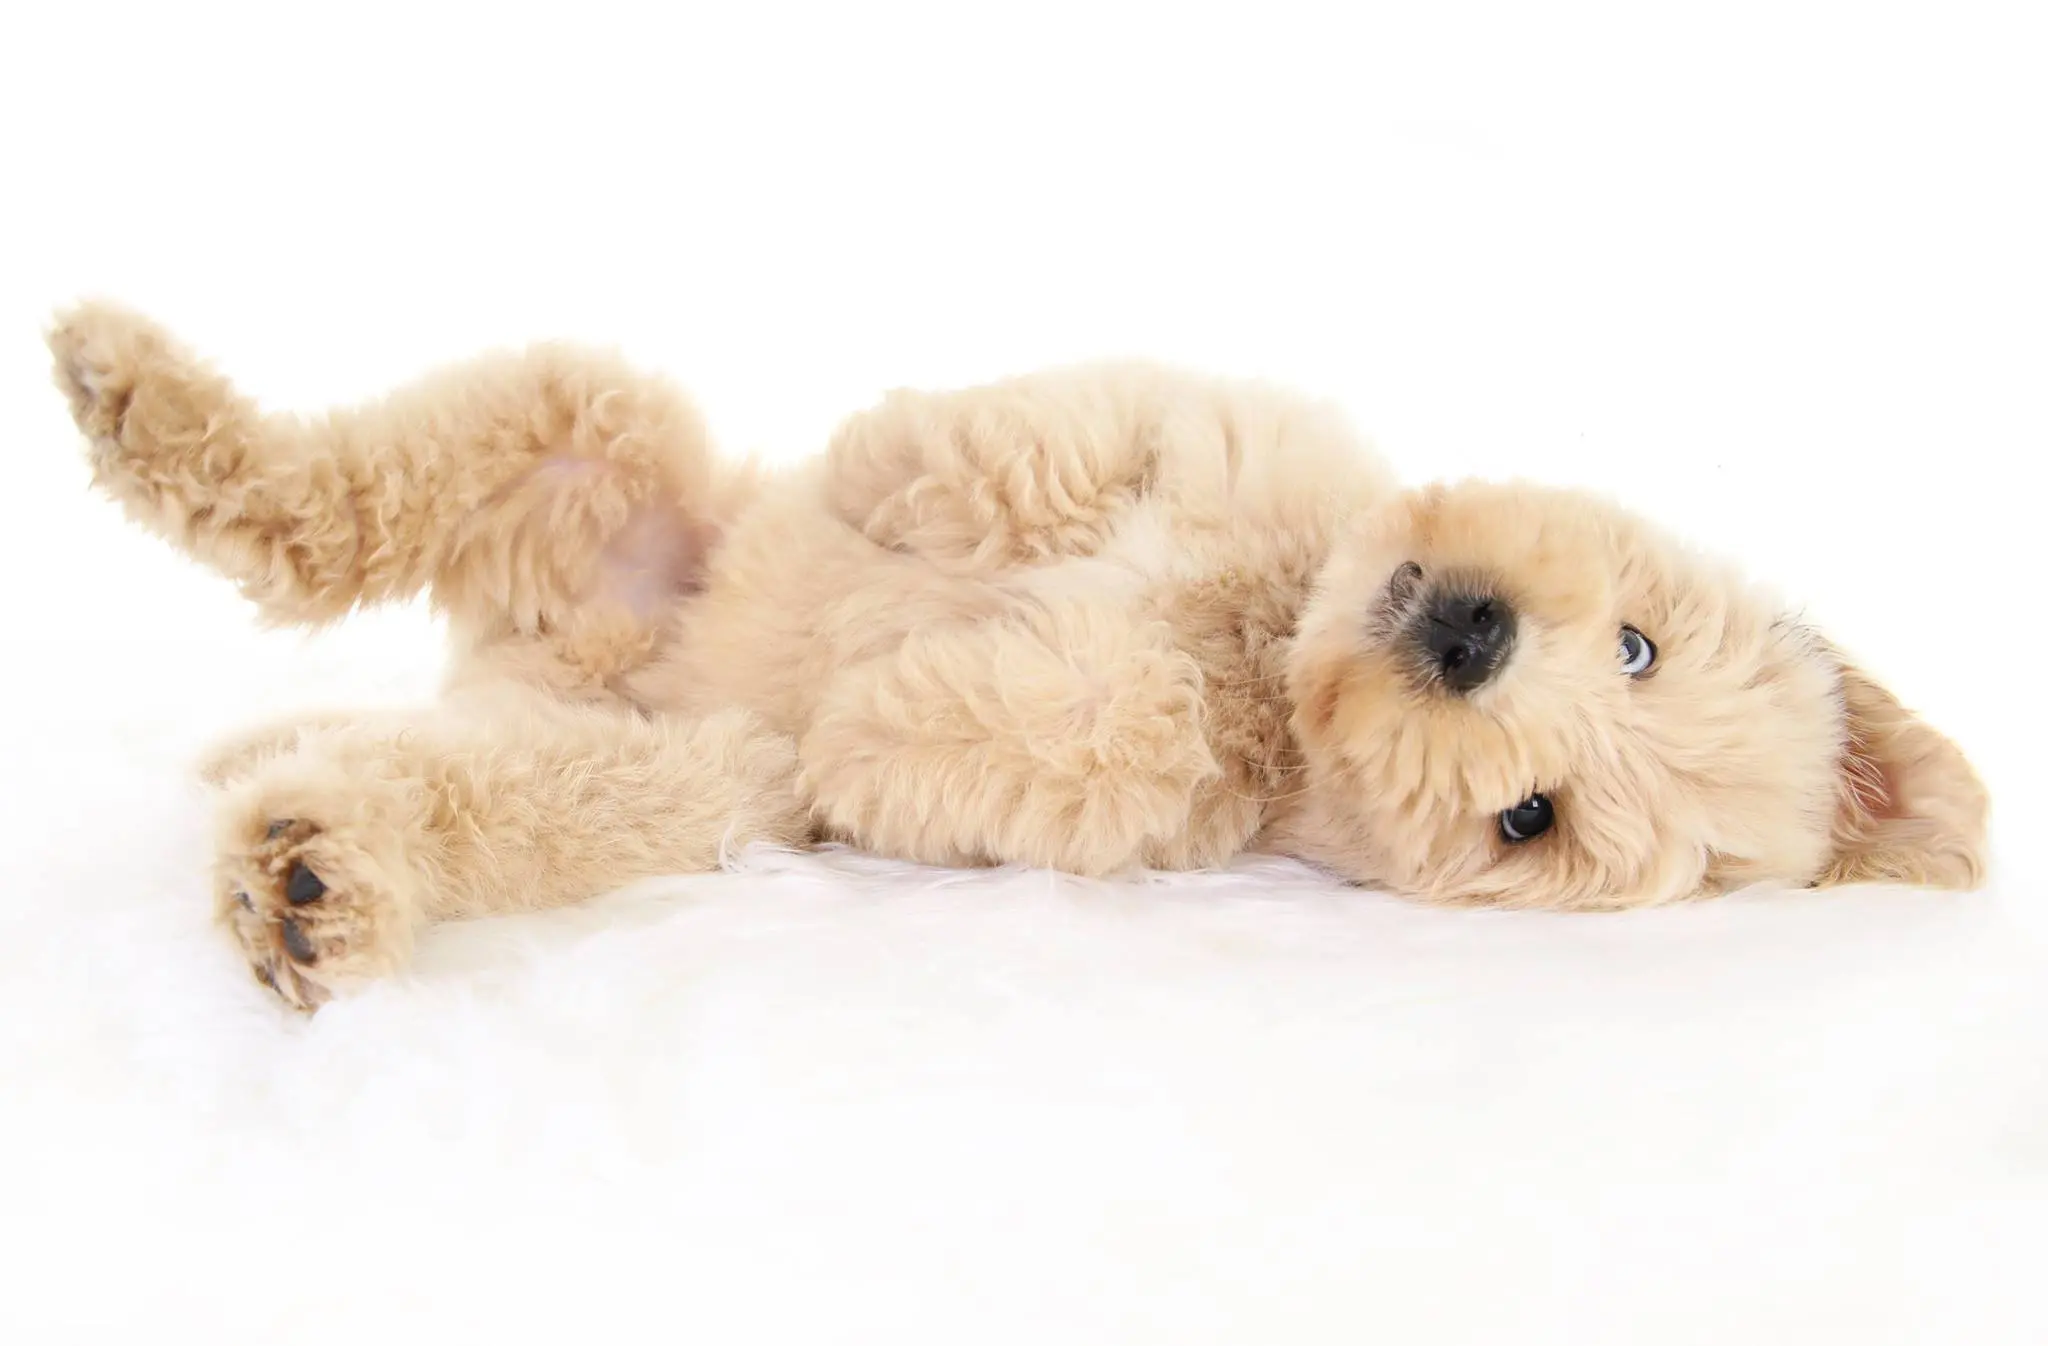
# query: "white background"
[[1774, 274]]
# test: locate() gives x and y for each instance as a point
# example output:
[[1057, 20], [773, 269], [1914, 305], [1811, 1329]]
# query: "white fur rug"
[[825, 1099], [1776, 277]]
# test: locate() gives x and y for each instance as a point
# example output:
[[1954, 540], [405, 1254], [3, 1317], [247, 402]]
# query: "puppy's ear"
[[1911, 808]]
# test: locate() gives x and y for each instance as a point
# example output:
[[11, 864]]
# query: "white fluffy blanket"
[[1775, 276], [826, 1099]]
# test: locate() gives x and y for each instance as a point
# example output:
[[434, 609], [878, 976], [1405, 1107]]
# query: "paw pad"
[[303, 886], [295, 941], [308, 906]]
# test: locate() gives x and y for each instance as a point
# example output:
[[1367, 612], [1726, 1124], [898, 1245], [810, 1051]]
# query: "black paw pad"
[[295, 942], [303, 886]]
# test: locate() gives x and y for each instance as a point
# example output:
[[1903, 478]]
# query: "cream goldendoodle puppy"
[[1089, 619]]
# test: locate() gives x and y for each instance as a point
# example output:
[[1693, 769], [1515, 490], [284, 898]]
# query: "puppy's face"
[[1517, 696]]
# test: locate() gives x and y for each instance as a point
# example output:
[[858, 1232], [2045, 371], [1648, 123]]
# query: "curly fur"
[[1087, 619]]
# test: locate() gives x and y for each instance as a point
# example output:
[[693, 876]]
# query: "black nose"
[[1467, 638]]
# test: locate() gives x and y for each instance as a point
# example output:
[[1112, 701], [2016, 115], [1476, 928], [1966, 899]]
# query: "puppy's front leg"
[[333, 855], [1064, 736], [1002, 474]]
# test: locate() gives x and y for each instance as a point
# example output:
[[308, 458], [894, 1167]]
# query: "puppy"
[[1090, 619]]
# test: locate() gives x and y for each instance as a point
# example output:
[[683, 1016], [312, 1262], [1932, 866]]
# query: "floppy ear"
[[1911, 808]]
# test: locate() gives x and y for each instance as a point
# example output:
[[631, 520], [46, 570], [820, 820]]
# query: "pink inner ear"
[[657, 557]]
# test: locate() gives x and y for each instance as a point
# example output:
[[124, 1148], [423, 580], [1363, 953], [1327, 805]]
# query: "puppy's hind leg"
[[334, 853], [536, 494]]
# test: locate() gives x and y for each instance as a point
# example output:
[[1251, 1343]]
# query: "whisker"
[[1257, 765], [1269, 799], [1246, 682], [1254, 698]]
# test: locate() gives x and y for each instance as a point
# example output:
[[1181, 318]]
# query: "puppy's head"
[[1519, 696]]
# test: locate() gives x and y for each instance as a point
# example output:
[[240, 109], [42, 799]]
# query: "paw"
[[102, 354], [1007, 474], [1064, 739], [313, 909], [161, 427]]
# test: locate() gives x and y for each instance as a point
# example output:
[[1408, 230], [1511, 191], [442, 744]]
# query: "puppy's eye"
[[1527, 820], [1637, 653]]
